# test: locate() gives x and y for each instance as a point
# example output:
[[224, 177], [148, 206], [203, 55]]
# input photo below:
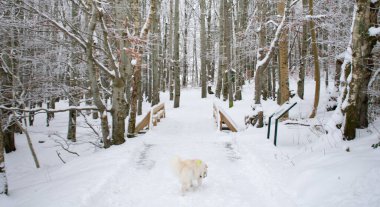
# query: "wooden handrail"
[[154, 115], [222, 117], [143, 123], [158, 107]]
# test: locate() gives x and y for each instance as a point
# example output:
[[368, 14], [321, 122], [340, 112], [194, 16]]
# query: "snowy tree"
[[356, 111]]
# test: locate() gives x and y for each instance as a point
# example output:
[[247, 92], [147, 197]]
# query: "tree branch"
[[48, 110], [30, 144]]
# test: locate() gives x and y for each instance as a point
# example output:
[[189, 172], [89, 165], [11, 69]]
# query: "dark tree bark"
[[356, 113], [3, 177], [177, 81]]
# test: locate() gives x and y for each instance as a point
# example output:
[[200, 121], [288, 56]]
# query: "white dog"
[[189, 171]]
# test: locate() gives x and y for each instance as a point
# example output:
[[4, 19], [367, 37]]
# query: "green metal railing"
[[276, 124]]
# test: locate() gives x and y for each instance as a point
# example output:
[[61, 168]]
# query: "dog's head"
[[203, 168], [204, 173]]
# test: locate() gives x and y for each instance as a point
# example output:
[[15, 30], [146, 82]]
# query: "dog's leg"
[[185, 186], [199, 182]]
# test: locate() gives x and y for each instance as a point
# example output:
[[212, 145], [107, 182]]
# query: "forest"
[[104, 63]]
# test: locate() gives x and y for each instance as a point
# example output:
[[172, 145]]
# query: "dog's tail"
[[176, 162]]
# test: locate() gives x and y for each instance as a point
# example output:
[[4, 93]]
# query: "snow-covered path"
[[145, 178], [307, 168]]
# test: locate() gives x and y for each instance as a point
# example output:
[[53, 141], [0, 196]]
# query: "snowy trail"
[[146, 179], [307, 168]]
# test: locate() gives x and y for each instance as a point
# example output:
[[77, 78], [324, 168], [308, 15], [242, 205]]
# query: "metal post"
[[270, 120], [275, 133], [275, 130]]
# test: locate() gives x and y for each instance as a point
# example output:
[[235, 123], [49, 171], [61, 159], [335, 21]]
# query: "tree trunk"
[[283, 54], [338, 70], [177, 81], [326, 53], [260, 54], [137, 68], [73, 101], [227, 38], [241, 67], [3, 175], [203, 48], [209, 51], [155, 58], [93, 78], [72, 126], [185, 64], [362, 63], [274, 68], [304, 43], [165, 69], [171, 58], [317, 77], [219, 84], [263, 60]]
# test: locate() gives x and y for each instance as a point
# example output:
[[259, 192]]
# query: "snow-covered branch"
[[148, 22], [48, 110], [77, 38], [265, 61], [56, 24], [107, 46]]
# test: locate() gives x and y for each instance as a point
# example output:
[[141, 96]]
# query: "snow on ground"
[[307, 168]]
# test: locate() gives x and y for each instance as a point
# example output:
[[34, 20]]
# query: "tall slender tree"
[[155, 57], [317, 77], [221, 62], [228, 49], [185, 40], [304, 42], [137, 62], [283, 56], [177, 71], [3, 177], [203, 48]]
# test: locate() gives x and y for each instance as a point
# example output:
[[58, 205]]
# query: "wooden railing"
[[158, 112], [221, 118]]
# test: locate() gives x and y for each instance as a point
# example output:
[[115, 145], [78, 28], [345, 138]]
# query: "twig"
[[88, 124], [295, 123], [63, 147], [59, 155]]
